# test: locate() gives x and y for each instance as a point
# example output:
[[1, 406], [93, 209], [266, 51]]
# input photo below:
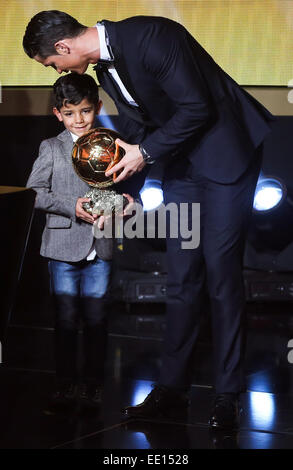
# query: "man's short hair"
[[45, 29], [73, 88]]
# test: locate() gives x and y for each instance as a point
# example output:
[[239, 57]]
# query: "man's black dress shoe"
[[161, 402], [225, 413]]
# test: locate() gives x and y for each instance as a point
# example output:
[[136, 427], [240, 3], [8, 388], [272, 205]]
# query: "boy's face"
[[78, 118]]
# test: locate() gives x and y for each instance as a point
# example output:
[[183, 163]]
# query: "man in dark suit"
[[175, 103]]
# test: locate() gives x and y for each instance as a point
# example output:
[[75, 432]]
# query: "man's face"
[[65, 63], [78, 118]]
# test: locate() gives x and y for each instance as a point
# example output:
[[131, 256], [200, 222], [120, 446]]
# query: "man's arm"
[[170, 60]]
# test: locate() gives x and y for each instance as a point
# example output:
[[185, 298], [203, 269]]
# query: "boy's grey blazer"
[[65, 237]]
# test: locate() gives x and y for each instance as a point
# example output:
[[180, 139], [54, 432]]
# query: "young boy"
[[79, 265]]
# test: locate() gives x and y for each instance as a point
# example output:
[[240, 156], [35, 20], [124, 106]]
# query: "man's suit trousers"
[[216, 265]]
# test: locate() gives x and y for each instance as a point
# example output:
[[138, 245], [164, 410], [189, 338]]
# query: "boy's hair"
[[45, 29], [73, 88]]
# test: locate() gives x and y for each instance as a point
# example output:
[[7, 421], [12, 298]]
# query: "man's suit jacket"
[[65, 237], [195, 109]]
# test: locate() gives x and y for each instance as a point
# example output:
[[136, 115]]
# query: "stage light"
[[269, 194], [151, 194], [269, 245], [141, 390], [262, 409], [104, 120]]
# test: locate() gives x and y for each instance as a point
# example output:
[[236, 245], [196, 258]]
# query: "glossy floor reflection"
[[266, 420], [132, 367]]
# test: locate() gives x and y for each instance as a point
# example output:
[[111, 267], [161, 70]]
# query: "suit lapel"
[[64, 153], [120, 64], [67, 144]]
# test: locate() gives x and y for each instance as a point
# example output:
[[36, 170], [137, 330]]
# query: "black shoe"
[[161, 402], [225, 414], [90, 395], [63, 397]]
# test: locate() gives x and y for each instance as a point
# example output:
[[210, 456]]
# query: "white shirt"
[[104, 55], [92, 252]]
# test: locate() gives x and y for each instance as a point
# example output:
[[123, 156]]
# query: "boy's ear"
[[62, 47], [57, 114], [99, 106]]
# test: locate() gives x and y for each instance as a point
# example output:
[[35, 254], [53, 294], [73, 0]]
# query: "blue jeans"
[[84, 278], [78, 290]]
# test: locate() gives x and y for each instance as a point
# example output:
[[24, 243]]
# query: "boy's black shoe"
[[90, 395], [225, 413], [161, 402], [63, 397]]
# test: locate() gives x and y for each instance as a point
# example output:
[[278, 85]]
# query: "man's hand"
[[132, 162], [81, 213]]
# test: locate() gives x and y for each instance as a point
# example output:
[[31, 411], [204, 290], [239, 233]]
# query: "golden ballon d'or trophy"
[[94, 153]]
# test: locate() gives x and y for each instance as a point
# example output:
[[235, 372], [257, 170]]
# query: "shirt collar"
[[105, 50], [74, 137]]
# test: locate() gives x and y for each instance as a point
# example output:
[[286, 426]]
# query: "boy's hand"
[[128, 209], [102, 220], [132, 162], [81, 213]]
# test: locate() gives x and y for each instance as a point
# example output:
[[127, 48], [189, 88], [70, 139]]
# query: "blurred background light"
[[269, 194]]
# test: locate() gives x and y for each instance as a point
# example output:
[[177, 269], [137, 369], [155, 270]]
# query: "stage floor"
[[266, 419]]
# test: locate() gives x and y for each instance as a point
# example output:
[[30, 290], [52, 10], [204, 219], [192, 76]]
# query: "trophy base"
[[104, 202]]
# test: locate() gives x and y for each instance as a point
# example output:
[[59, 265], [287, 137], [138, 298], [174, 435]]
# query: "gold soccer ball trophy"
[[94, 153]]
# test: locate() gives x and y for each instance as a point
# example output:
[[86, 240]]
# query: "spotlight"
[[269, 194], [269, 245], [104, 120], [151, 194]]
